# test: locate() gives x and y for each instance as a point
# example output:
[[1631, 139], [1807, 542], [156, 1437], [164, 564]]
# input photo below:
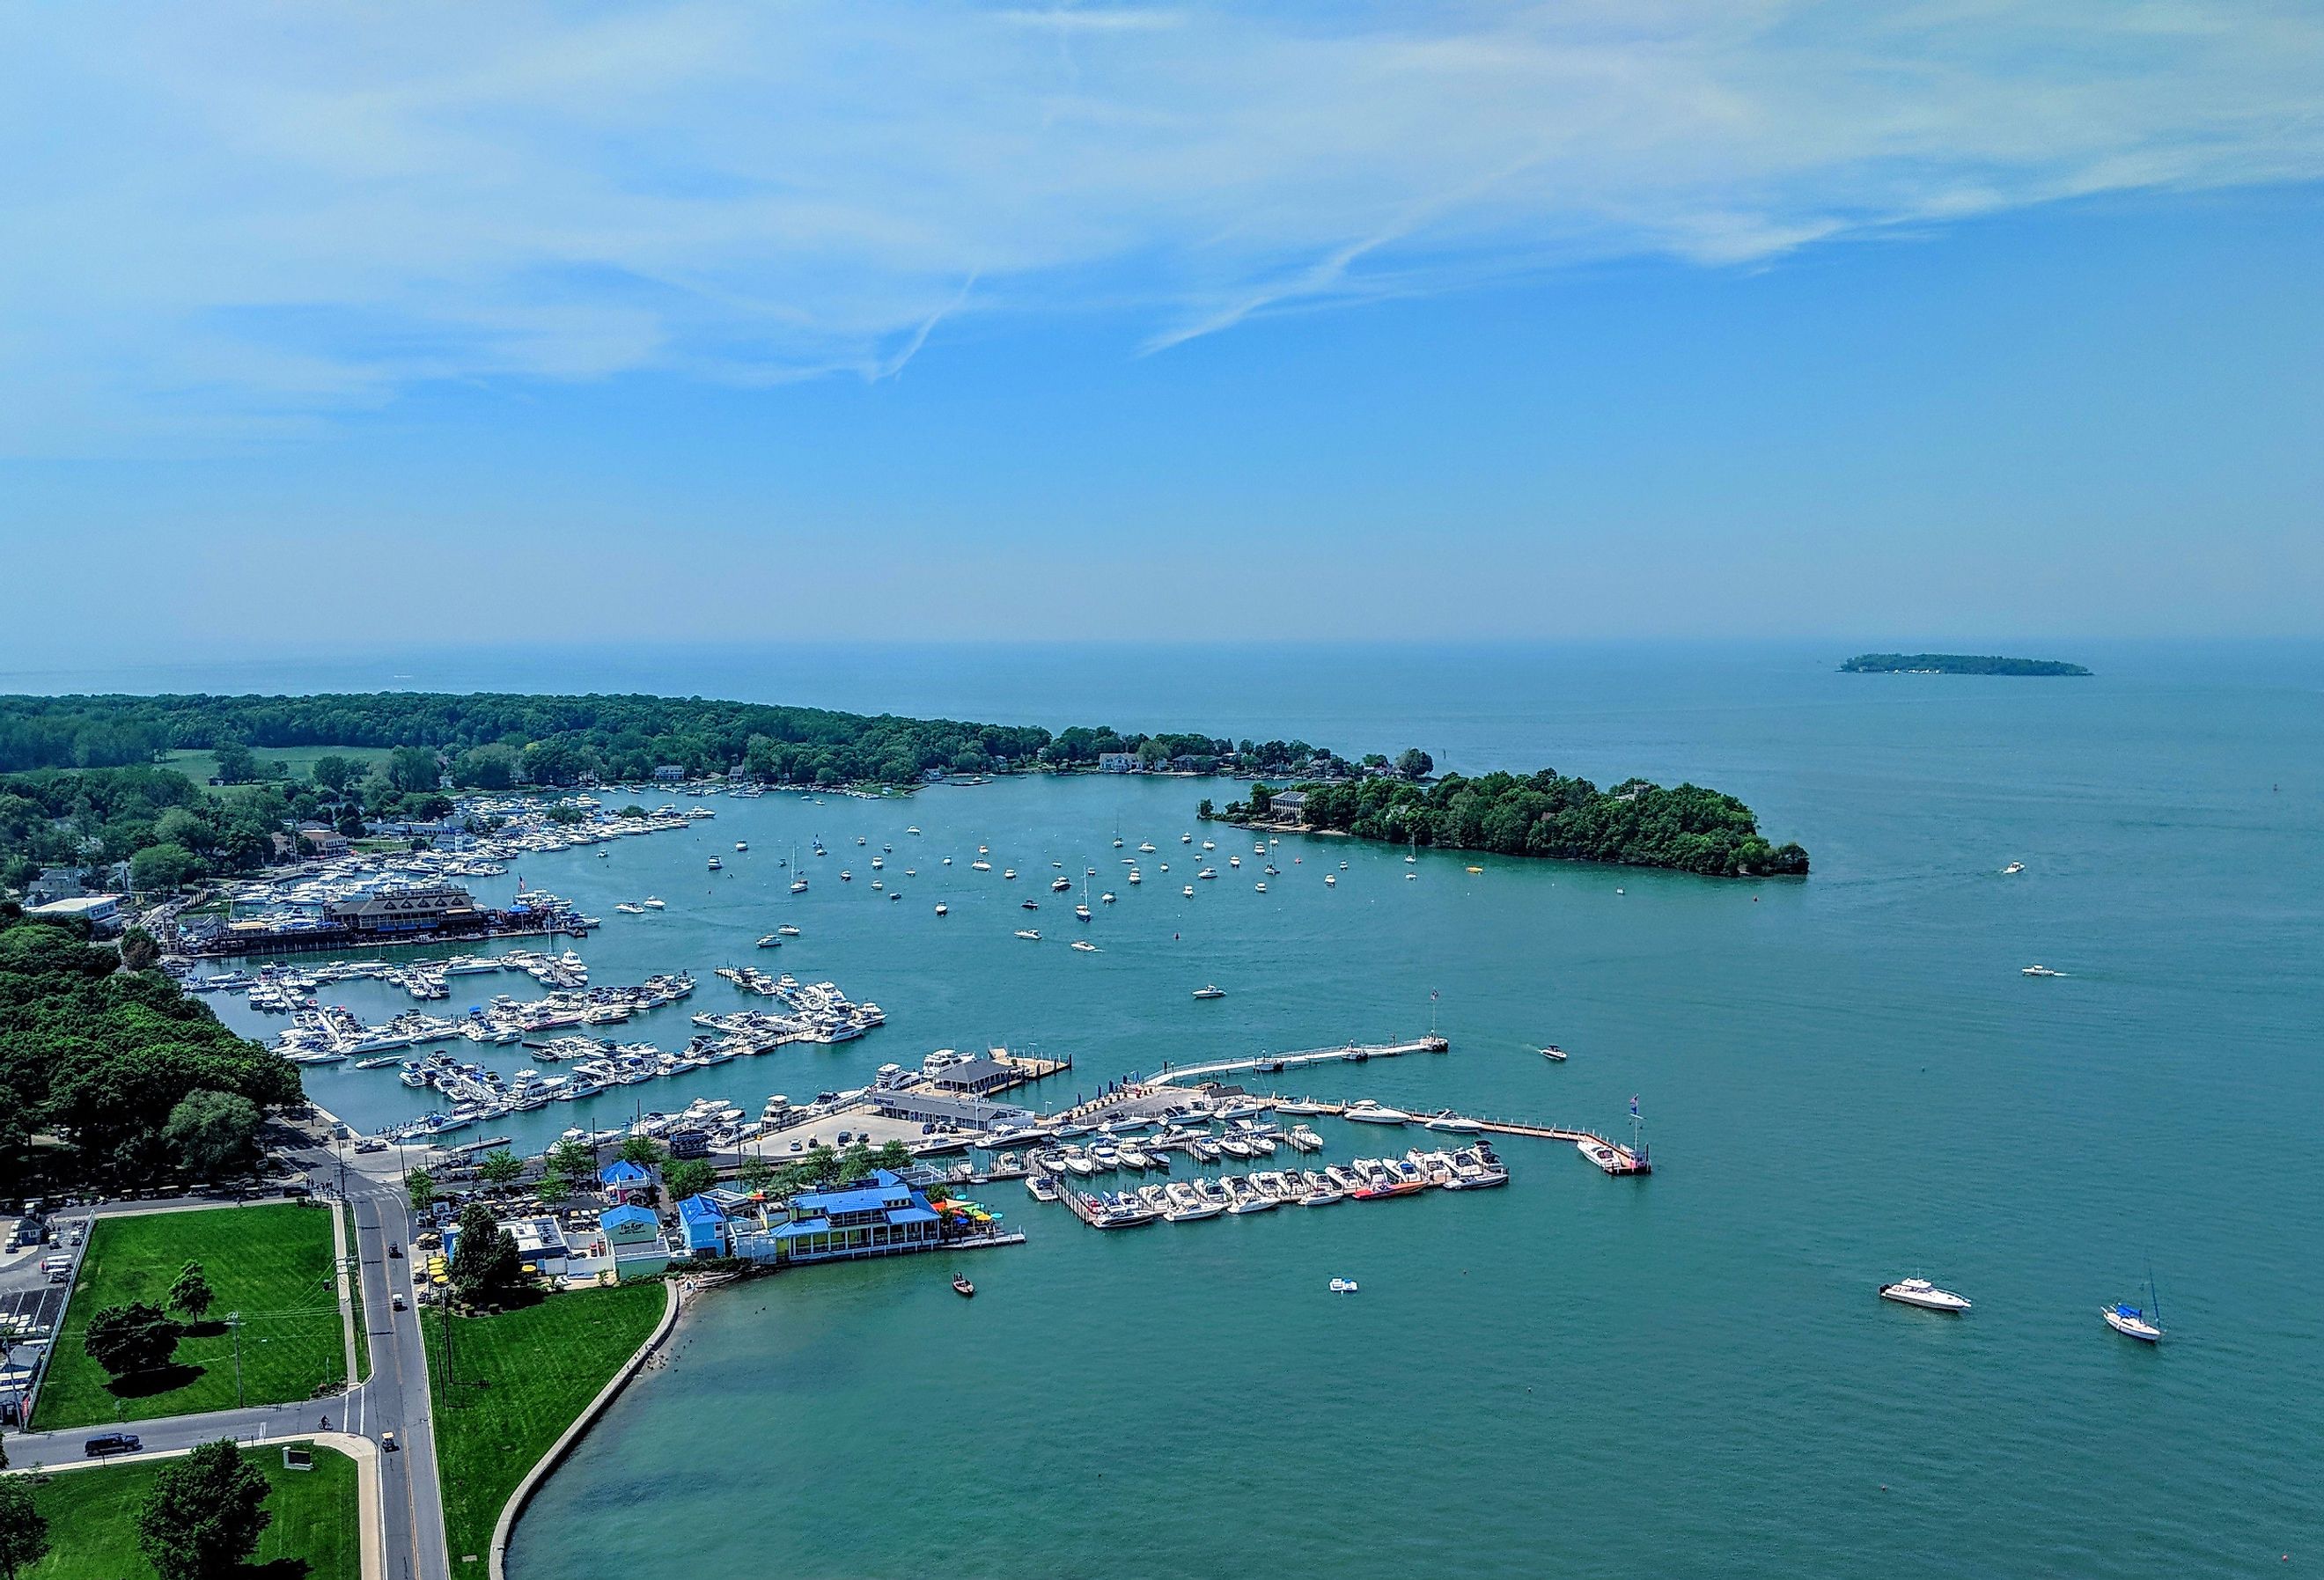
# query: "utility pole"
[[234, 1326]]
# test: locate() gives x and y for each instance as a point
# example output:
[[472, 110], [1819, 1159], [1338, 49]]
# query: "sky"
[[676, 322]]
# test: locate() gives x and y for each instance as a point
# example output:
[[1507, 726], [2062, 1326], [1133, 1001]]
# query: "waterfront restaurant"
[[923, 1106], [883, 1217]]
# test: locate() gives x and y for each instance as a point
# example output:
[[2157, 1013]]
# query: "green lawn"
[[355, 1291], [272, 1263], [519, 1379], [198, 766], [93, 1522]]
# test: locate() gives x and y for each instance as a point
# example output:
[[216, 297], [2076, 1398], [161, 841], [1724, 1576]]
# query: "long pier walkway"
[[1269, 1063]]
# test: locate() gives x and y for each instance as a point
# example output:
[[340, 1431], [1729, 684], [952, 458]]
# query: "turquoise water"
[[1845, 1080]]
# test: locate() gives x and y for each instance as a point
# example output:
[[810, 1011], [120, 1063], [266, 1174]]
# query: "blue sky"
[[1452, 322]]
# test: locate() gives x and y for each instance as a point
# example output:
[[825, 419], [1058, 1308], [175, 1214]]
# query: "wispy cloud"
[[235, 218]]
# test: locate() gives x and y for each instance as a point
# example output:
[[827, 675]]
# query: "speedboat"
[[1331, 880], [2040, 971], [1553, 1053], [980, 866], [1925, 1295], [770, 942], [1450, 1121], [787, 930], [1032, 933], [654, 904], [715, 864], [2013, 869], [942, 909], [1085, 946], [962, 1287], [1365, 1111], [1343, 1286], [1211, 991]]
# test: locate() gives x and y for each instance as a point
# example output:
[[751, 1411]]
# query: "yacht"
[[770, 942], [1925, 1295], [630, 907], [1299, 1105], [1040, 1187], [1059, 884], [1135, 877], [980, 866], [787, 930], [1365, 1111], [845, 876], [1449, 1121], [1085, 946], [654, 904], [1186, 839], [1146, 848], [1032, 933], [1106, 898], [1212, 990]]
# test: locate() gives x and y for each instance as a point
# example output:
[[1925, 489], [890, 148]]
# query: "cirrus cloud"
[[241, 218]]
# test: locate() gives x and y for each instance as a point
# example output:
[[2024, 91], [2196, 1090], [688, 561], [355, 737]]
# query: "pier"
[[1272, 1063]]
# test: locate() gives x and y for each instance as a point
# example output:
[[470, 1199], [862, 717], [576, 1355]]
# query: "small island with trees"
[[1954, 664]]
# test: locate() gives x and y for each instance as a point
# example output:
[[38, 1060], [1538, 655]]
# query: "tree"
[[755, 1174], [501, 1167], [892, 1155], [163, 866], [485, 1264], [24, 1528], [333, 773], [690, 1177], [571, 1164], [205, 1515], [413, 769], [237, 763], [421, 1186], [1414, 763], [192, 1293], [212, 1133], [642, 1150], [1202, 809], [130, 1340], [138, 950]]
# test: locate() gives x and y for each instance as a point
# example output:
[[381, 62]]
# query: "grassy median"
[[516, 1380], [270, 1263], [93, 1522]]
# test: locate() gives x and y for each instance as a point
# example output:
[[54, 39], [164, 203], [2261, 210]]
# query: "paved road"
[[395, 1399]]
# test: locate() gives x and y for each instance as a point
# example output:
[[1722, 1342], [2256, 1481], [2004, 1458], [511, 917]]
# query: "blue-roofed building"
[[624, 1179], [704, 1224], [883, 1216], [632, 1241]]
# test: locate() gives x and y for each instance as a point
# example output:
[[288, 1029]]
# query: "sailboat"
[[798, 881], [1082, 911], [2132, 1321]]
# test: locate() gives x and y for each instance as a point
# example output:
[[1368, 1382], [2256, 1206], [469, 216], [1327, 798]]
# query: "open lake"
[[1845, 1080]]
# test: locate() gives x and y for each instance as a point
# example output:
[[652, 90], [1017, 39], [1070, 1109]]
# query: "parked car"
[[105, 1443]]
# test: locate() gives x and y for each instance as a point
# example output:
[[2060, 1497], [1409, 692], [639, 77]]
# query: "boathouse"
[[882, 1217]]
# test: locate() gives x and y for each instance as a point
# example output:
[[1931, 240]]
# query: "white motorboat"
[[1343, 1286], [1085, 946], [1211, 990], [1032, 933], [787, 930], [1367, 1112], [1925, 1295], [2039, 971], [2013, 869], [942, 909], [654, 904], [1553, 1053], [1449, 1121]]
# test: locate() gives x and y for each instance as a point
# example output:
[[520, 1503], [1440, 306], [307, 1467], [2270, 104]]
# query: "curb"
[[574, 1433]]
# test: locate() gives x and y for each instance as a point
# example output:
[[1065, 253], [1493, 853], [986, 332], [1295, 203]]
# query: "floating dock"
[[1273, 1063]]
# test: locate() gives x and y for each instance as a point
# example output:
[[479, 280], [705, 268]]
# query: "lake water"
[[1845, 1080]]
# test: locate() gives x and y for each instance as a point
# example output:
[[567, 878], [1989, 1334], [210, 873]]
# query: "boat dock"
[[1272, 1063], [1609, 1155]]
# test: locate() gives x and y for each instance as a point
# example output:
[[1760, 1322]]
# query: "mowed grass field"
[[272, 1263], [538, 1368], [198, 766], [93, 1522]]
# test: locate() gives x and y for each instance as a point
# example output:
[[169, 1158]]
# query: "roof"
[[912, 1215], [804, 1226], [974, 1072], [869, 1199], [621, 1172], [623, 1214], [701, 1209], [78, 905]]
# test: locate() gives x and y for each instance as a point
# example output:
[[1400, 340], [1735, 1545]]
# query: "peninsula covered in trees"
[[1636, 824], [1954, 664]]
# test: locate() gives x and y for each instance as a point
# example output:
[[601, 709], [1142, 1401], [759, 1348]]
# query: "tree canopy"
[[487, 1267], [132, 1339], [110, 1059], [204, 1514], [1546, 814]]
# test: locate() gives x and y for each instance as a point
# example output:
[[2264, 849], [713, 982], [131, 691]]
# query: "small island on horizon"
[[1954, 664]]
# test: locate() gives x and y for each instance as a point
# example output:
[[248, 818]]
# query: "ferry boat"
[[1925, 1295]]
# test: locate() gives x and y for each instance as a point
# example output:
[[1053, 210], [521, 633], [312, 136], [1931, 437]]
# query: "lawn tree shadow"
[[275, 1569], [161, 1380]]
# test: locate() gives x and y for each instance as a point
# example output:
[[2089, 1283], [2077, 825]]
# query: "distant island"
[[1954, 664]]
